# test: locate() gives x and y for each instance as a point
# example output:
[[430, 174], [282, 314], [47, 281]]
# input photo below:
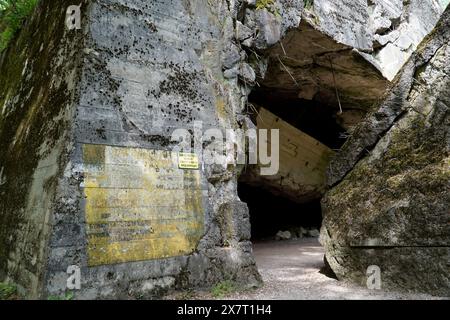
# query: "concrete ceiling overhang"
[[308, 64]]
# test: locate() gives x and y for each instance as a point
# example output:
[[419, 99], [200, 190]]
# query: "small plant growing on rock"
[[7, 291], [223, 288], [67, 296], [309, 4], [12, 15], [269, 5]]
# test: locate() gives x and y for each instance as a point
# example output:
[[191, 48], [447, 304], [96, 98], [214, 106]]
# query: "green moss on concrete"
[[223, 289], [268, 5], [34, 97], [7, 291]]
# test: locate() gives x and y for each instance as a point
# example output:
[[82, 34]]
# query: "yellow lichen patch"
[[221, 109], [94, 155], [139, 205], [396, 181]]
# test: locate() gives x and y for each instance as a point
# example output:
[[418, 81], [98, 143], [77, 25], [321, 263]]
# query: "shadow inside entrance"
[[271, 214]]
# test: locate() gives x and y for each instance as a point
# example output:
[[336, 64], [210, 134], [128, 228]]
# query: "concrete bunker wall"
[[135, 222], [388, 205], [87, 119], [38, 77]]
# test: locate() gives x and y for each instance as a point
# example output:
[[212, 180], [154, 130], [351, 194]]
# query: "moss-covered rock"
[[392, 208]]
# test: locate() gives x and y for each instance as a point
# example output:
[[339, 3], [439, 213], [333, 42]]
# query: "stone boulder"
[[283, 235], [391, 182]]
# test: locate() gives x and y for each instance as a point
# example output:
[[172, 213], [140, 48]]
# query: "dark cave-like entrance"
[[315, 91], [270, 214], [287, 216], [319, 120], [273, 207]]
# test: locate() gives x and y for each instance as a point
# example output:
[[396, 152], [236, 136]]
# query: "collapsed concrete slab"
[[389, 203], [303, 160], [335, 57]]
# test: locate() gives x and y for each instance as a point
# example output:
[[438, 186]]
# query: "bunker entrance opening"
[[275, 217], [315, 91], [285, 209], [287, 205]]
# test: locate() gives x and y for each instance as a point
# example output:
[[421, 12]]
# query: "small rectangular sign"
[[188, 161]]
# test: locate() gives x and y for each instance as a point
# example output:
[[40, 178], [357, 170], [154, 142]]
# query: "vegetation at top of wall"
[[12, 15], [262, 4]]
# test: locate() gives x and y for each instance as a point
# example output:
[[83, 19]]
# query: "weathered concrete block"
[[389, 203], [89, 180]]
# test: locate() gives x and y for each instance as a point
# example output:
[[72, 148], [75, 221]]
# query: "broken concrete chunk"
[[314, 233], [248, 42], [381, 25], [385, 14], [243, 32], [246, 73], [231, 73], [231, 56], [382, 40], [269, 28], [404, 42], [283, 235]]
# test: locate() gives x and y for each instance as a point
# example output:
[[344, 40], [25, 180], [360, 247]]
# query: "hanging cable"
[[335, 86]]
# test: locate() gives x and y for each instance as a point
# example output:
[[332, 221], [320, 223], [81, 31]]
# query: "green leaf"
[[12, 15]]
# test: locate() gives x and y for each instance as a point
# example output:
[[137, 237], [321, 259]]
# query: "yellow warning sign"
[[139, 205], [188, 161]]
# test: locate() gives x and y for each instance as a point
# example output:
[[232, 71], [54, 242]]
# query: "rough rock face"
[[390, 202], [330, 59], [398, 27], [345, 52]]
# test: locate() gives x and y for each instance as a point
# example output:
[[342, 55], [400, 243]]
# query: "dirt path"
[[290, 270]]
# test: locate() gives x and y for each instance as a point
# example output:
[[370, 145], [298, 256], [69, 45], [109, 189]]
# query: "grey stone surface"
[[140, 69], [399, 27], [143, 69], [231, 56], [389, 205], [354, 48], [37, 99], [243, 32], [313, 233], [345, 21], [247, 73]]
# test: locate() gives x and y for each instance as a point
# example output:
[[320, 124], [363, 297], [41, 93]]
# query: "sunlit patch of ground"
[[290, 270]]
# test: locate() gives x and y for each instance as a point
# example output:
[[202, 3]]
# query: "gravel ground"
[[290, 270]]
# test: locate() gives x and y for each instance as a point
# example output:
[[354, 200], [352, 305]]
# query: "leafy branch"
[[12, 15]]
